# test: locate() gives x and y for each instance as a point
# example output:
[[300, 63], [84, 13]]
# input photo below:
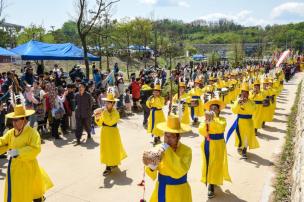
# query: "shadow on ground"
[[117, 177]]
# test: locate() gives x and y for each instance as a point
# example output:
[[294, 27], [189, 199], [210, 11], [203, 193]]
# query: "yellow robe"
[[186, 112], [112, 151], [176, 165], [258, 114], [268, 111], [246, 126], [218, 163], [158, 104], [28, 180], [222, 84], [199, 110]]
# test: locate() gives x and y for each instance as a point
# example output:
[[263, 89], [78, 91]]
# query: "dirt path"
[[77, 174]]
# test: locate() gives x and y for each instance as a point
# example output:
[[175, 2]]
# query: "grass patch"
[[283, 182]]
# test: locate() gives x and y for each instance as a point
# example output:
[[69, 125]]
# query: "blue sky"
[[247, 12]]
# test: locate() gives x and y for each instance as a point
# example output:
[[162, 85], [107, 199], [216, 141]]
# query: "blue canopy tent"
[[4, 52], [36, 50], [199, 57]]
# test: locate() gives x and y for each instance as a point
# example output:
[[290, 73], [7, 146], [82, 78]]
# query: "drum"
[[266, 103], [194, 103], [224, 91], [152, 156]]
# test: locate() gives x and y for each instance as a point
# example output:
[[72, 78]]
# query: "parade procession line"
[[77, 173]]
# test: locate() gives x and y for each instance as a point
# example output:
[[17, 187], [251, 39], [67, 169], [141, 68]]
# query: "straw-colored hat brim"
[[110, 100], [12, 115], [164, 127], [215, 102]]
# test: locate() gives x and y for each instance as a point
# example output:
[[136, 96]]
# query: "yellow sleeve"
[[148, 103], [110, 120], [174, 100], [235, 108], [98, 121], [5, 139], [175, 166], [151, 173], [33, 148], [203, 129]]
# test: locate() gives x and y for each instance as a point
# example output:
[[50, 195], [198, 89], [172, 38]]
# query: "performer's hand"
[[164, 146], [12, 153], [152, 166]]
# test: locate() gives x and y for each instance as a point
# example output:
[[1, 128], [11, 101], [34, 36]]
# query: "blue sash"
[[163, 181], [235, 127], [192, 108], [258, 102], [9, 181], [153, 109], [207, 149]]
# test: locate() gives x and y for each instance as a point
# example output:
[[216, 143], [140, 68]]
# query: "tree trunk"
[[85, 55], [128, 60]]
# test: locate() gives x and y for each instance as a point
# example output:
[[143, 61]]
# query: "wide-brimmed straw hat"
[[245, 87], [198, 81], [257, 82], [182, 84], [157, 87], [173, 125], [110, 98], [20, 112], [215, 101]]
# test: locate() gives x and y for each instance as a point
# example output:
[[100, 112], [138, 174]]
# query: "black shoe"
[[78, 142], [239, 150], [244, 154], [39, 199], [58, 138], [107, 171], [210, 191], [3, 156], [89, 136]]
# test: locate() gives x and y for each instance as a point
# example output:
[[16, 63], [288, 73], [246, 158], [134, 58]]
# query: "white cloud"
[[289, 7], [164, 3], [244, 17], [183, 4], [149, 2]]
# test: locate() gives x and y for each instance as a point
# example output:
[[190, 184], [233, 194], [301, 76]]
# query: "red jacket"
[[135, 88]]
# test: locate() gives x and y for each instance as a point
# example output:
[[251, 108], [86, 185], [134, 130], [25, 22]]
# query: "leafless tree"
[[2, 7], [87, 19]]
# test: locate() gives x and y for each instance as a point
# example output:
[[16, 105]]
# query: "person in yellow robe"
[[215, 163], [196, 93], [25, 180], [274, 92], [172, 184], [267, 103], [156, 104], [184, 100], [112, 151], [257, 96], [243, 126]]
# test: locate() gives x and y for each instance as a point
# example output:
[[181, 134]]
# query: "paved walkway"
[[77, 173]]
